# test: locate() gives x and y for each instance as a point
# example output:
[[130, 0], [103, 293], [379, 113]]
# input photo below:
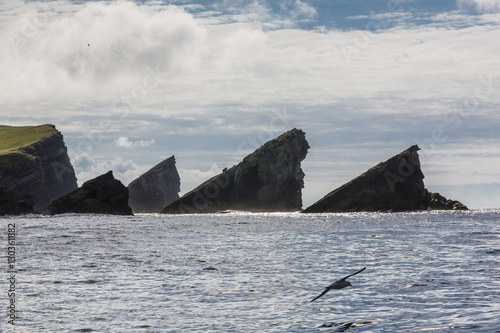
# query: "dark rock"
[[438, 202], [101, 195], [269, 179], [156, 188], [394, 185], [34, 168]]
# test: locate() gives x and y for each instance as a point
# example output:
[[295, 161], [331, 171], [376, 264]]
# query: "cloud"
[[86, 168], [481, 5], [93, 48], [299, 10], [265, 13], [190, 178], [83, 162], [126, 143], [163, 57]]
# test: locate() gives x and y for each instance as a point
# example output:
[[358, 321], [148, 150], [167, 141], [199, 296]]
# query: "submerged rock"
[[156, 188], [34, 168], [101, 195], [269, 179], [394, 185]]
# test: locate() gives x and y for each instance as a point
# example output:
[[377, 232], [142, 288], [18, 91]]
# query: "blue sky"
[[132, 83]]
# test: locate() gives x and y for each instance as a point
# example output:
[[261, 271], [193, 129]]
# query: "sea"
[[431, 271]]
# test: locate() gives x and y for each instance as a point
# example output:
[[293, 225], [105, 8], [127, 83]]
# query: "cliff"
[[156, 188], [269, 179], [34, 168], [101, 195], [394, 185]]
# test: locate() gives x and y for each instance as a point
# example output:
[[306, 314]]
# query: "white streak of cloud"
[[124, 142], [481, 5], [302, 10]]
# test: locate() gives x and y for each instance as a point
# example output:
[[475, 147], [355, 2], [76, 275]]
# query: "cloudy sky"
[[132, 83]]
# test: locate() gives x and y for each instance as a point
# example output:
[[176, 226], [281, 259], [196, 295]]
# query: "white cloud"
[[123, 142], [126, 143], [233, 63], [190, 178], [302, 10], [86, 168], [142, 143], [260, 13], [93, 48], [481, 5]]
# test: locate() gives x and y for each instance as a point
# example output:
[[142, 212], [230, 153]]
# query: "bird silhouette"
[[342, 283]]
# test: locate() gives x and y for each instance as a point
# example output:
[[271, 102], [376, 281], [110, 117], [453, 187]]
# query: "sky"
[[132, 83]]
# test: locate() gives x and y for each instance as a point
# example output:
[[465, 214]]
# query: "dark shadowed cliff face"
[[34, 168], [101, 195], [269, 179], [155, 189], [394, 185]]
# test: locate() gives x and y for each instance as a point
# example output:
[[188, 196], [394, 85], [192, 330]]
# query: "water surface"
[[243, 272]]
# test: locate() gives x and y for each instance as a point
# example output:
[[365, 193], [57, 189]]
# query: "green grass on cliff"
[[13, 139], [6, 129]]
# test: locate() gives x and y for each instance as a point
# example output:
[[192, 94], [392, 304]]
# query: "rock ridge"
[[394, 185], [269, 179], [101, 195], [156, 188], [34, 168]]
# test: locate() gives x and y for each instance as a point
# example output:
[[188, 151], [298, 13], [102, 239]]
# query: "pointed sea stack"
[[101, 195], [34, 168], [156, 188], [269, 179], [394, 185]]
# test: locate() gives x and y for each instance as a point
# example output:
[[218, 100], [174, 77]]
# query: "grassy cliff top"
[[13, 139]]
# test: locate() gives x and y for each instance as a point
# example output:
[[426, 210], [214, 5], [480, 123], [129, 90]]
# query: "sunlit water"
[[427, 271]]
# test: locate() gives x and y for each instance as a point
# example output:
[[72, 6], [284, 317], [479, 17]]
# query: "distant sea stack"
[[34, 168], [394, 185], [155, 189], [269, 179], [101, 195]]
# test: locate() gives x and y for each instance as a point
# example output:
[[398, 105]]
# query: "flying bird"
[[342, 283]]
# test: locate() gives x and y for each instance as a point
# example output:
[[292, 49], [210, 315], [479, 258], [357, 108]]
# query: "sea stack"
[[269, 179], [34, 168], [394, 185], [101, 195], [155, 189]]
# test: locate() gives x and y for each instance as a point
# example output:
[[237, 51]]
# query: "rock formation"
[[34, 168], [394, 185], [269, 179], [101, 195], [156, 188], [438, 202]]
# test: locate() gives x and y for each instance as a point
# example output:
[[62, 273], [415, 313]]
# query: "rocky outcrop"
[[438, 202], [269, 179], [101, 195], [34, 168], [156, 188], [394, 185]]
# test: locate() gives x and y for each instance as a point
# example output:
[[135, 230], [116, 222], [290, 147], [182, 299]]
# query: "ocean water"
[[244, 272]]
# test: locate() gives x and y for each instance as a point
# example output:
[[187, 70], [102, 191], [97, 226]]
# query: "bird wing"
[[348, 276], [324, 292], [327, 289]]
